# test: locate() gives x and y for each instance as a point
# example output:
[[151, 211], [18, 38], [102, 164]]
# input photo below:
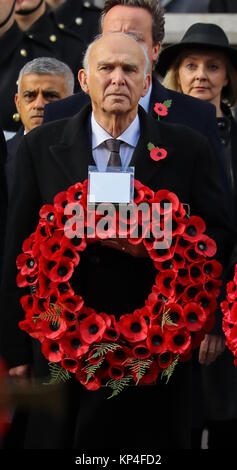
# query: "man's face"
[[35, 92], [134, 20], [115, 80]]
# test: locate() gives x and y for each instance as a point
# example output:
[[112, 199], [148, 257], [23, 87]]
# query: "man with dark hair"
[[30, 29]]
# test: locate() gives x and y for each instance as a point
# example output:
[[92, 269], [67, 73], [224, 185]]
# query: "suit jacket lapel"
[[73, 154]]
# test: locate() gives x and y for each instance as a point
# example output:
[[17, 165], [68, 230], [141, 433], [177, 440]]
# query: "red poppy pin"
[[161, 109], [156, 153]]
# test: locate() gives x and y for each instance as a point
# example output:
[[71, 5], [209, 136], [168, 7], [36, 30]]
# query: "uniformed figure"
[[62, 33]]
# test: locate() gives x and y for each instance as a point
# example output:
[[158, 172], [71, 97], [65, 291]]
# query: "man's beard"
[[30, 10]]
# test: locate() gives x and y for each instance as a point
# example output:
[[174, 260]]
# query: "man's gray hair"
[[85, 62], [51, 66]]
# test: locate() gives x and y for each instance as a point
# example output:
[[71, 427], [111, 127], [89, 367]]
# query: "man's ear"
[[146, 84], [82, 78], [16, 99]]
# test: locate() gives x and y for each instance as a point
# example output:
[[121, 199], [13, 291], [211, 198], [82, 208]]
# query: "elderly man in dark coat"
[[57, 155]]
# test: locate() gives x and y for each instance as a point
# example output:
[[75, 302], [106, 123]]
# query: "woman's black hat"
[[202, 35]]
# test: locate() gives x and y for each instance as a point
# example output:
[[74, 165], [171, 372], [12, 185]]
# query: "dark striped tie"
[[113, 146]]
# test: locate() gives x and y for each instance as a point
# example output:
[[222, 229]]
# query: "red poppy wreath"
[[140, 345], [229, 310]]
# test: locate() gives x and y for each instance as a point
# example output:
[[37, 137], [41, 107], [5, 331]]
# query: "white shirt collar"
[[130, 135]]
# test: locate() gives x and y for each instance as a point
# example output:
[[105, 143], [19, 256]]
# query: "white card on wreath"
[[114, 186]]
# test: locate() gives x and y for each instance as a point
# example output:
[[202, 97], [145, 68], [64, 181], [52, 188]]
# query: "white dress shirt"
[[100, 152]]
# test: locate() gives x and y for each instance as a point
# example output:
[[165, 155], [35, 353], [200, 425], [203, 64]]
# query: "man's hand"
[[20, 374], [122, 244], [211, 347]]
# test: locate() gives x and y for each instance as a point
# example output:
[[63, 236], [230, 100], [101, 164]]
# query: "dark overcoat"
[[50, 159]]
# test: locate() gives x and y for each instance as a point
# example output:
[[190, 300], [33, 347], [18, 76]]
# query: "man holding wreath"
[[116, 278]]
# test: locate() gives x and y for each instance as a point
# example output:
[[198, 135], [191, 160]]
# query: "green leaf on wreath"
[[103, 348], [167, 103], [57, 374], [139, 367], [118, 385], [150, 146], [91, 369], [169, 371], [52, 314], [166, 320]]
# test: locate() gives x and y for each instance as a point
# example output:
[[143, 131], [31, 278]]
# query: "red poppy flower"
[[212, 268], [191, 291], [196, 273], [231, 336], [61, 271], [73, 345], [50, 247], [92, 328], [43, 231], [155, 307], [165, 359], [78, 194], [133, 327], [150, 375], [165, 282], [156, 339], [169, 264], [207, 302], [111, 334], [183, 276], [174, 318], [194, 228], [119, 355], [162, 254], [54, 329], [48, 212], [193, 256], [26, 280], [69, 364], [32, 326], [26, 264], [231, 289], [141, 351], [116, 371], [93, 383], [206, 246], [160, 109], [142, 193], [60, 201], [52, 350], [194, 316], [212, 286], [157, 154], [166, 200], [178, 341]]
